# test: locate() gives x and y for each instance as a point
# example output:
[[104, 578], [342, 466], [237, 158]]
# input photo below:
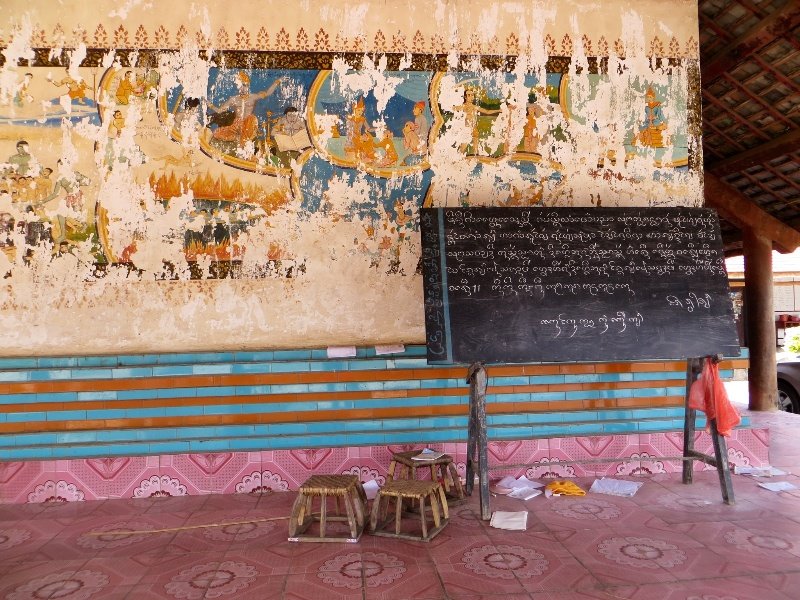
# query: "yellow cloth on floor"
[[565, 488]]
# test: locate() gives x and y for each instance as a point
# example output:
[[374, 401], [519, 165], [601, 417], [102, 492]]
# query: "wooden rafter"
[[768, 29], [785, 144], [737, 209]]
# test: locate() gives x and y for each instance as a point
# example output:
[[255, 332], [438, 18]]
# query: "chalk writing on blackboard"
[[515, 285]]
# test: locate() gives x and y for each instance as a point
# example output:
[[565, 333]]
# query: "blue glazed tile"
[[86, 396], [184, 411], [222, 409], [319, 354], [416, 351], [261, 429], [252, 356], [291, 429], [251, 368], [401, 424], [265, 407], [131, 372], [292, 355], [365, 439], [173, 447], [66, 415], [521, 397], [14, 375], [400, 437], [444, 422], [326, 387], [57, 362], [18, 363], [410, 363], [252, 390], [56, 397], [157, 434], [32, 439], [137, 394], [106, 413], [149, 412], [621, 427], [233, 431], [649, 392], [319, 427], [137, 359], [116, 435], [517, 380], [222, 369], [402, 384], [92, 373], [50, 375], [363, 425], [660, 375], [226, 390], [656, 425], [194, 358], [177, 392], [363, 386], [329, 366], [97, 361], [548, 396], [172, 371], [208, 445], [374, 364], [8, 454], [77, 437], [546, 417], [546, 379], [437, 384], [612, 414], [290, 367], [323, 405], [18, 398], [186, 433], [297, 388], [246, 444]]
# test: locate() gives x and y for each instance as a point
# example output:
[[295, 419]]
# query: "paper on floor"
[[525, 493], [757, 471], [514, 521], [520, 482], [777, 486], [615, 487]]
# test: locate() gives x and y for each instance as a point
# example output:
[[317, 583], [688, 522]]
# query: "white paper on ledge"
[[390, 349], [341, 351]]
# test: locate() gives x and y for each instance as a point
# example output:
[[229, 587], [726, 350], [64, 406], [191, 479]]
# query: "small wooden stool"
[[448, 476], [410, 490], [345, 487]]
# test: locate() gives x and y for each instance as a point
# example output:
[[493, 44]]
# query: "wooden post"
[[692, 370], [476, 436]]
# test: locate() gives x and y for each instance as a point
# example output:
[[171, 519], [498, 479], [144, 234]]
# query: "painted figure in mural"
[[289, 132], [70, 182], [20, 162], [471, 112], [651, 129], [244, 127], [359, 134], [387, 150], [76, 89], [21, 95], [127, 87], [290, 123], [530, 133], [116, 125], [415, 133]]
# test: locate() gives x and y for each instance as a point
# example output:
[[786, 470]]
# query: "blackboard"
[[513, 285]]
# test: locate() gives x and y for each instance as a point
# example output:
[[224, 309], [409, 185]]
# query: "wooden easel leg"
[[689, 422], [723, 469], [472, 442]]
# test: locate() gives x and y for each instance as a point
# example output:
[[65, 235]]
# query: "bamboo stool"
[[447, 476], [346, 488], [409, 490]]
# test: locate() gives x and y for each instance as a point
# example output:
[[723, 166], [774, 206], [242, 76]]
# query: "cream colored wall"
[[342, 264]]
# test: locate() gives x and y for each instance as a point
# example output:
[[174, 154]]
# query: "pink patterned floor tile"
[[344, 584], [399, 582], [270, 560], [784, 583], [453, 550], [485, 572], [28, 576]]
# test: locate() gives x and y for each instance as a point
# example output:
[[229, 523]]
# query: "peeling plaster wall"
[[201, 178]]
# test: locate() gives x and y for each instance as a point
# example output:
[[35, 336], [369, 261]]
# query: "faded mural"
[[171, 191]]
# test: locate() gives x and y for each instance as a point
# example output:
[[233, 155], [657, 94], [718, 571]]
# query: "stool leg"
[[392, 467], [351, 519], [299, 502], [423, 520], [443, 498], [301, 513], [435, 509], [323, 514], [398, 510], [358, 505], [459, 490], [373, 519]]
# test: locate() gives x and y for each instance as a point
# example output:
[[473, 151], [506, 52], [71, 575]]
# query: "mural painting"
[[121, 171]]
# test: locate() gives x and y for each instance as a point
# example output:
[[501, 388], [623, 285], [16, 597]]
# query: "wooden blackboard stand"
[[477, 442], [720, 458]]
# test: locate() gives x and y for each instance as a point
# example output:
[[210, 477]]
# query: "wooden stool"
[[409, 490], [447, 476], [348, 488]]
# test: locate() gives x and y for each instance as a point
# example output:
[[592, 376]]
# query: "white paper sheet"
[[615, 487], [777, 486], [514, 521], [341, 351]]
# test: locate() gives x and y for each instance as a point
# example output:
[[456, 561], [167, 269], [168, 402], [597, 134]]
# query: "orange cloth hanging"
[[709, 395]]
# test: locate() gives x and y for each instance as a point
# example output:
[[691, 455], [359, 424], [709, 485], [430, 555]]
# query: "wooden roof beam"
[[737, 209], [785, 143], [776, 25]]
